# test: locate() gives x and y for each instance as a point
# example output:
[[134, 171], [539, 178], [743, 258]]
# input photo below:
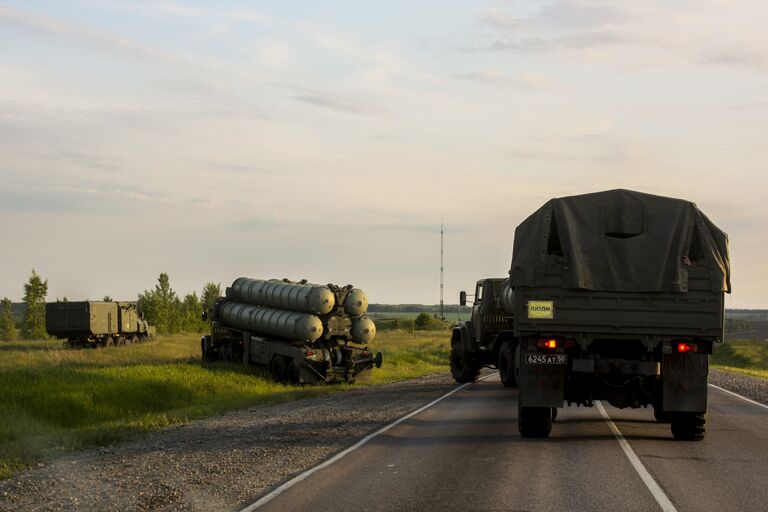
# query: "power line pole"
[[442, 306]]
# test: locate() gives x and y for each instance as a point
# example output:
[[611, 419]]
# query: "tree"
[[7, 326], [211, 292], [107, 298], [35, 291], [192, 313], [162, 306]]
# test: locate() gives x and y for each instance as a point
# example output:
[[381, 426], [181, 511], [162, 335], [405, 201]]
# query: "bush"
[[423, 321]]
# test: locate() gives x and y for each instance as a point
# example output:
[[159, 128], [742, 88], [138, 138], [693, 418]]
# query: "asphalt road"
[[464, 453]]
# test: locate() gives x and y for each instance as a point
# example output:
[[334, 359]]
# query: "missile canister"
[[363, 330], [356, 302], [304, 298], [285, 324]]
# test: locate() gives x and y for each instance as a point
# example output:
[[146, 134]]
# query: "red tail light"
[[310, 353], [686, 347], [551, 343]]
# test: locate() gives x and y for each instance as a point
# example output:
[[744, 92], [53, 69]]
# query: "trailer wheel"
[[109, 341], [534, 421], [463, 368], [278, 369], [507, 365], [294, 374], [689, 426]]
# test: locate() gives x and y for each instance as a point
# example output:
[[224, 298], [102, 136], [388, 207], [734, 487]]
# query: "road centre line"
[[661, 498], [742, 397], [302, 476]]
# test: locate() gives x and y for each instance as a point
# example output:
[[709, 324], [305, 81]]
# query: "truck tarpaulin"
[[620, 240]]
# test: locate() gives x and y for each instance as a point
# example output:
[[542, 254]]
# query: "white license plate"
[[546, 358]]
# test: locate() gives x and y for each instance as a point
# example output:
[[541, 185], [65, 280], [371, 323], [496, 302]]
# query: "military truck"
[[302, 332], [97, 323], [614, 296]]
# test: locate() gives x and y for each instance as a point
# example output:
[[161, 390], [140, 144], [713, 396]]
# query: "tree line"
[[161, 306]]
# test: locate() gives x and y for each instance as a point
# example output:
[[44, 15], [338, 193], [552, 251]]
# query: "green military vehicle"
[[614, 296], [302, 332], [97, 323]]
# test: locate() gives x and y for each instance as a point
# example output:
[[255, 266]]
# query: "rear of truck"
[[618, 296]]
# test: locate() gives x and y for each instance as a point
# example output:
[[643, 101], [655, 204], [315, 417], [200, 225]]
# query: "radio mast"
[[442, 306]]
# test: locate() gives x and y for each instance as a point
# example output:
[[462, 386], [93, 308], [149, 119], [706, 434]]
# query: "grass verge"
[[749, 357], [57, 400]]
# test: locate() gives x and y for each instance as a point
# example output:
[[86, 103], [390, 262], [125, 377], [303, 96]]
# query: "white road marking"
[[303, 476], [658, 493], [742, 397]]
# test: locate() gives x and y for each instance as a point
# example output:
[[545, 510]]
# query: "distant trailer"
[[96, 323]]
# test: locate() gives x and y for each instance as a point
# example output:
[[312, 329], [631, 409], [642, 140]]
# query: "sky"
[[328, 140]]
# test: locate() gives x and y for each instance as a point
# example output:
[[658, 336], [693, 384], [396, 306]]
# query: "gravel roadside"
[[218, 463], [228, 461], [750, 387]]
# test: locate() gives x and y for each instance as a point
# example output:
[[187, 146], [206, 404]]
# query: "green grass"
[[749, 357], [57, 400]]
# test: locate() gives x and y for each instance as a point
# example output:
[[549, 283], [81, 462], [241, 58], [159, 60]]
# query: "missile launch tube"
[[356, 302], [284, 324], [363, 330], [304, 298]]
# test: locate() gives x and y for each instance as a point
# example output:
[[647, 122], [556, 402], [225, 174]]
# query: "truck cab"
[[478, 342]]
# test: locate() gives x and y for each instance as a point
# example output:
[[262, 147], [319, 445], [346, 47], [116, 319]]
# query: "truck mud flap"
[[541, 385], [684, 378]]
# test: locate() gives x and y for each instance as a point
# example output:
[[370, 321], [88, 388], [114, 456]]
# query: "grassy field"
[[743, 356], [57, 400], [409, 315]]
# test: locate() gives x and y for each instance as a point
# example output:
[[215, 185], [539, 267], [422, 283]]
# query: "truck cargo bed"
[[696, 313]]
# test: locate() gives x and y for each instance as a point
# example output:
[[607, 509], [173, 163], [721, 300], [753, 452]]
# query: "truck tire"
[[507, 365], [689, 426], [534, 421], [661, 415], [463, 368]]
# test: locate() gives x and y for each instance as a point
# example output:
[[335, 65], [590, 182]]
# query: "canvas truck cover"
[[620, 241]]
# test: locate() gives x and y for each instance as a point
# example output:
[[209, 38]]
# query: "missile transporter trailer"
[[300, 331], [614, 296], [97, 323]]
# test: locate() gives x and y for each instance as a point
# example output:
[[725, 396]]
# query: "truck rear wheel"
[[689, 426], [507, 365], [463, 368], [534, 421]]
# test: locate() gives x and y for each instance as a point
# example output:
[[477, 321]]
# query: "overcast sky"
[[326, 140]]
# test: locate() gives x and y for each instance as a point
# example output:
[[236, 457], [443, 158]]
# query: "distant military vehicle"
[[614, 296], [97, 323], [304, 333]]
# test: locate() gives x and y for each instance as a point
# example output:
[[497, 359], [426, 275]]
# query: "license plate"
[[546, 358]]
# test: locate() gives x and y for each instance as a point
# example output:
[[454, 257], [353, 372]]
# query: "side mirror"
[[462, 298]]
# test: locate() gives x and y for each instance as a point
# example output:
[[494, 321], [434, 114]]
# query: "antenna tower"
[[442, 306]]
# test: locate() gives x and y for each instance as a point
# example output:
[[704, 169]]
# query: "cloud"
[[102, 198], [81, 159], [238, 168], [752, 56], [331, 101], [497, 78], [80, 34]]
